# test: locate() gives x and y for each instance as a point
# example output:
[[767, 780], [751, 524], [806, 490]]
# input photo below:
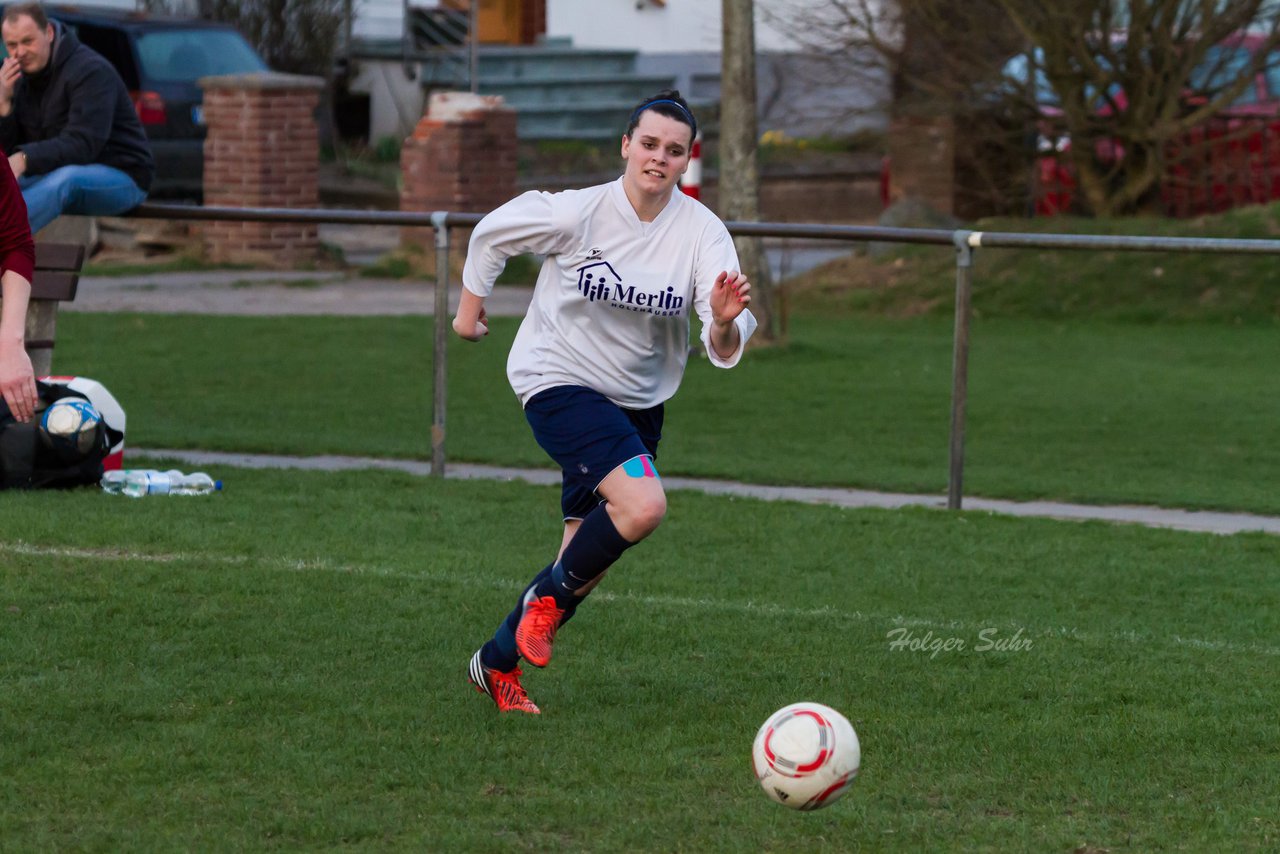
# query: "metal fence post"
[[964, 242], [439, 386]]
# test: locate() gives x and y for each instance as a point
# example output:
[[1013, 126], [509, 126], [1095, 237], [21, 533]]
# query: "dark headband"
[[692, 122]]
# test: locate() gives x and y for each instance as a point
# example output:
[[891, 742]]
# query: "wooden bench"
[[56, 276]]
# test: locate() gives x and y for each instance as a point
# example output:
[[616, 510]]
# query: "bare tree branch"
[[1129, 79]]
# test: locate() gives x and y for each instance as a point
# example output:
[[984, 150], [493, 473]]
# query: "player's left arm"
[[721, 296], [730, 295]]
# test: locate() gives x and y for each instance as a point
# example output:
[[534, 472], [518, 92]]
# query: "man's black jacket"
[[76, 111]]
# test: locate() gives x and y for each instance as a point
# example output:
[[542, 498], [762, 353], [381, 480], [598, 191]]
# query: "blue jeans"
[[91, 190]]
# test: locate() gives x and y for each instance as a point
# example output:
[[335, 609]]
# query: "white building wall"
[[679, 26], [379, 19], [131, 5]]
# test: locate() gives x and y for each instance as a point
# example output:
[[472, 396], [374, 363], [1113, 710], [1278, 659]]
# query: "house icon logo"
[[598, 281]]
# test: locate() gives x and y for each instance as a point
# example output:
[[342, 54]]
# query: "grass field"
[[1078, 285], [281, 666], [1173, 414]]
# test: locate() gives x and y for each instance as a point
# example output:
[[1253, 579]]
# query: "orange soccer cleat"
[[503, 688], [537, 629]]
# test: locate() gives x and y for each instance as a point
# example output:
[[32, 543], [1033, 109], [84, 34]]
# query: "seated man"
[[73, 137]]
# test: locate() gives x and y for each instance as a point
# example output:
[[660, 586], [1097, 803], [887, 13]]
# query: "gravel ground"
[[264, 293]]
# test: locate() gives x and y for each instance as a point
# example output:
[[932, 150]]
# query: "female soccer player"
[[603, 345]]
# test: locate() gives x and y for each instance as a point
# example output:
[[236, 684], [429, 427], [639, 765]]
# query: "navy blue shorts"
[[589, 436]]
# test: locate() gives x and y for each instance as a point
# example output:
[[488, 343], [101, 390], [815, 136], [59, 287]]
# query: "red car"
[[1231, 160]]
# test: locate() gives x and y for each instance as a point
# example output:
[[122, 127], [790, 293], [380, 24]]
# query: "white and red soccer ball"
[[806, 756]]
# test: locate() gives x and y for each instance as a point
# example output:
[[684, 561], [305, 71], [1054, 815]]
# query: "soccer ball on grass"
[[70, 426], [806, 756]]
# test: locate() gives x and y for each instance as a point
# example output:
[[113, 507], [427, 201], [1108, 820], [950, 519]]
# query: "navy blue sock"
[[594, 548], [499, 653]]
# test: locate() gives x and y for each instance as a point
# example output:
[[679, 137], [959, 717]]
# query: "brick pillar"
[[262, 150], [922, 153], [461, 158]]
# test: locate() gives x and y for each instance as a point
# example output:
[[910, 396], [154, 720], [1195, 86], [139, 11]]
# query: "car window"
[[1015, 80], [174, 56], [1222, 66], [1015, 73], [1273, 75]]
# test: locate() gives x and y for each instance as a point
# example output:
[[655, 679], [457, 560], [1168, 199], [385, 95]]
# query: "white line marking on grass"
[[28, 550], [766, 609]]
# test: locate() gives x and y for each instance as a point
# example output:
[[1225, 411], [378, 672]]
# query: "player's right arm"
[[471, 322], [526, 224]]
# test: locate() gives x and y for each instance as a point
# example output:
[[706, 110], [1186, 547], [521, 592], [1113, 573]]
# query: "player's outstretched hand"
[[729, 296]]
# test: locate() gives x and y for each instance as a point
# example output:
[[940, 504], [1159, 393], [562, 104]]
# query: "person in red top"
[[17, 264]]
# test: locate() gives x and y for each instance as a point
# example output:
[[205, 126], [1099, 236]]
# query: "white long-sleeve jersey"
[[612, 304]]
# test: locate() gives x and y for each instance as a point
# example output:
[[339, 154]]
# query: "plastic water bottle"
[[139, 482], [115, 481]]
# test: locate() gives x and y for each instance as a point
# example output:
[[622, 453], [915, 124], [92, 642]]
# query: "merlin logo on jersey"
[[599, 281]]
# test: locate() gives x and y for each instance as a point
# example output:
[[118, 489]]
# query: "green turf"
[[1171, 414], [280, 666], [1083, 285]]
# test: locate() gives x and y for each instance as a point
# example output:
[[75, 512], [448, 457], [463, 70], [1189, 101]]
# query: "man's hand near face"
[[9, 74]]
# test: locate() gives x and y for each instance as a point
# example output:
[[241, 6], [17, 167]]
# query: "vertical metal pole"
[[406, 35], [439, 387], [965, 241], [473, 45]]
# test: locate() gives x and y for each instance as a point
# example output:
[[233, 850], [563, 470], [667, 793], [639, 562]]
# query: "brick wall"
[[460, 158], [262, 150]]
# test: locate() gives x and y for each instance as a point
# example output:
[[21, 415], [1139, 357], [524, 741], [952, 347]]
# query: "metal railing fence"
[[965, 242]]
